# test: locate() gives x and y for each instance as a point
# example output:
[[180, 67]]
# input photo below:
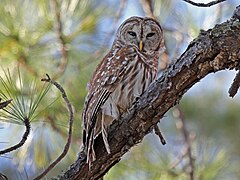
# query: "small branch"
[[235, 85], [67, 145], [60, 36], [159, 134], [23, 140], [183, 153], [5, 103], [182, 126], [148, 8], [204, 4]]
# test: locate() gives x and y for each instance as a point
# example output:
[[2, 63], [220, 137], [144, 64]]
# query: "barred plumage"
[[122, 76]]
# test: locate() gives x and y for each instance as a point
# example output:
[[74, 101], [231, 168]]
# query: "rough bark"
[[213, 50]]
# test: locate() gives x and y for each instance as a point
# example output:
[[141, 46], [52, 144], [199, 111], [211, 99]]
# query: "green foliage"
[[25, 99], [29, 41]]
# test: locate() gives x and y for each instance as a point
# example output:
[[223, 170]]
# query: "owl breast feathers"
[[122, 76]]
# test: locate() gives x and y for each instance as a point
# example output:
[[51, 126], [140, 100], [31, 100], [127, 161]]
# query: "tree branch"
[[183, 152], [213, 50], [23, 140], [148, 8], [60, 37], [5, 103], [204, 4], [181, 125], [235, 85], [67, 145], [159, 134]]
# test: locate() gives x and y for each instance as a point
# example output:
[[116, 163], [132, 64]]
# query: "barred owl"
[[121, 77]]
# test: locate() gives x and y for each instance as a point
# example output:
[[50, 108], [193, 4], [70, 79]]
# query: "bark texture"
[[213, 50]]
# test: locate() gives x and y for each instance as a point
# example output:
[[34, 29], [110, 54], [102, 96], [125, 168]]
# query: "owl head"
[[144, 33]]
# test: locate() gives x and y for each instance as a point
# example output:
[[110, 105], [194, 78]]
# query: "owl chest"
[[137, 78]]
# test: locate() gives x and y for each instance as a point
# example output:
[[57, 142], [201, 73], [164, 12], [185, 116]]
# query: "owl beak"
[[140, 45]]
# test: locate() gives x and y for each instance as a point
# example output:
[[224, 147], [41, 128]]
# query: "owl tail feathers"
[[91, 156], [90, 138], [105, 126], [105, 140]]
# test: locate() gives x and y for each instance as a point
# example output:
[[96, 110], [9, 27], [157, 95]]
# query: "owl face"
[[144, 33]]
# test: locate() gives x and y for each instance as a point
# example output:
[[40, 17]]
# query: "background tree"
[[66, 39]]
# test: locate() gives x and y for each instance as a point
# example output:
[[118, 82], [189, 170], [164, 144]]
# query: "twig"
[[60, 37], [204, 4], [23, 140], [158, 132], [5, 103], [183, 153], [148, 8], [67, 145], [182, 126], [234, 86]]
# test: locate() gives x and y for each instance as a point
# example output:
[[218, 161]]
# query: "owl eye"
[[150, 34], [131, 33]]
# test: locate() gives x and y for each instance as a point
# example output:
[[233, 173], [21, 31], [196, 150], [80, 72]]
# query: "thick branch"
[[214, 50]]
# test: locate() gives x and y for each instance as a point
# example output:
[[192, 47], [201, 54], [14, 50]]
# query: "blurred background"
[[67, 39]]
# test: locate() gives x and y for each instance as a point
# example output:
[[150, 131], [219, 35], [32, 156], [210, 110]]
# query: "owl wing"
[[107, 75]]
